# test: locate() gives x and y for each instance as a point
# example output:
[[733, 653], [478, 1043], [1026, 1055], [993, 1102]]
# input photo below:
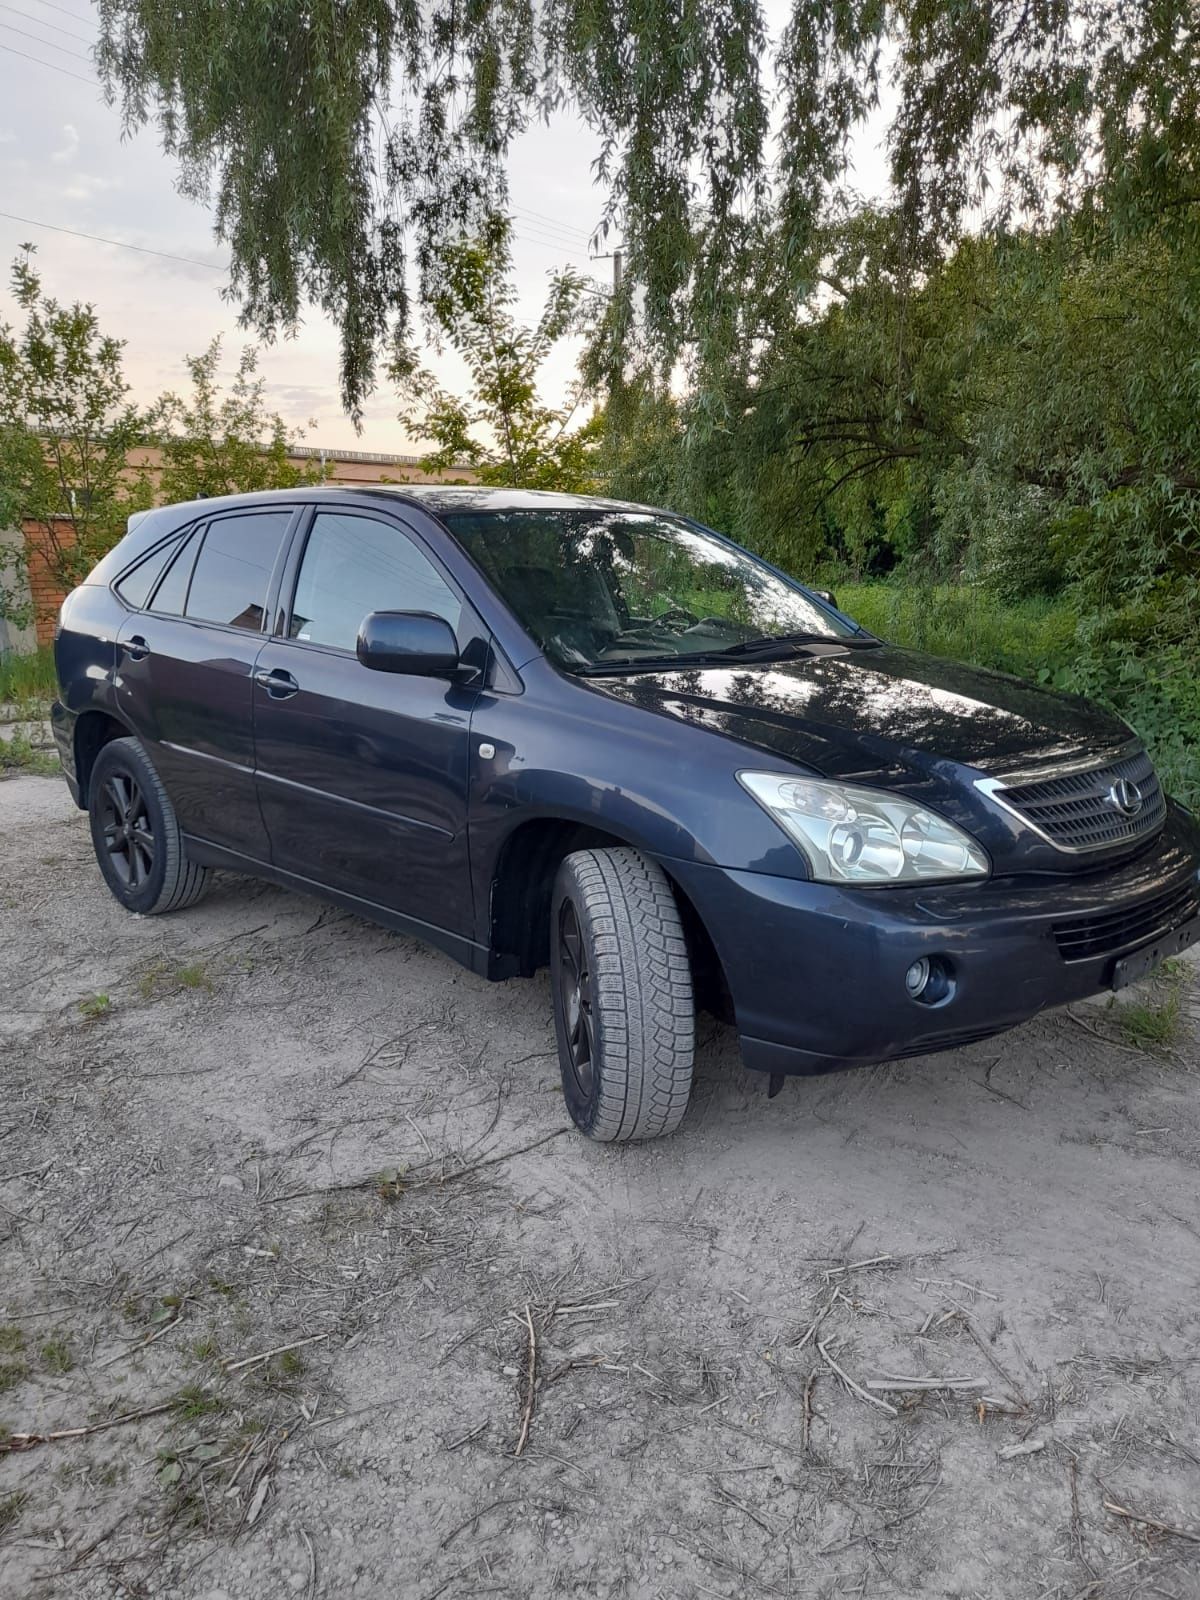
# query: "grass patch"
[[194, 1402], [56, 1354], [19, 755], [194, 977], [28, 677], [11, 1339], [95, 1006], [161, 980], [11, 1507], [1154, 1024], [11, 1374], [966, 624]]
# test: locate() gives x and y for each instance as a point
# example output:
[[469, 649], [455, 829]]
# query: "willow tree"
[[343, 140]]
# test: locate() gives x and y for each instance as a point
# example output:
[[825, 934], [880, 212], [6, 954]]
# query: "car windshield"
[[613, 588]]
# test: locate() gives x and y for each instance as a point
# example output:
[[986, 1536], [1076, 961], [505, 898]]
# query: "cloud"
[[86, 186], [7, 136], [70, 147]]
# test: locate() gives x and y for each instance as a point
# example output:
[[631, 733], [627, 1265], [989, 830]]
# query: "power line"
[[63, 9], [540, 215], [573, 234], [47, 44], [53, 26], [96, 238], [53, 65], [529, 233]]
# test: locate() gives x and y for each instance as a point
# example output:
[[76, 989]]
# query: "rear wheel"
[[624, 1012], [136, 835]]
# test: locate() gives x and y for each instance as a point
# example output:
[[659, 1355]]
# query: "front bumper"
[[816, 972]]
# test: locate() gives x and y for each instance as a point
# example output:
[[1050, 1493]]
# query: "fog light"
[[916, 979]]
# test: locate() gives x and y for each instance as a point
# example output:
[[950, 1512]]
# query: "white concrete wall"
[[20, 640]]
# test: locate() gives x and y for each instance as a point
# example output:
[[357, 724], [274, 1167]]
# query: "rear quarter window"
[[136, 587]]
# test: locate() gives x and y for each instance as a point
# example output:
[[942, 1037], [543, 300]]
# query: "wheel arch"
[[93, 730], [522, 882]]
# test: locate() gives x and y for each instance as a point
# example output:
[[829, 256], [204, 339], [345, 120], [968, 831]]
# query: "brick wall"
[[44, 590]]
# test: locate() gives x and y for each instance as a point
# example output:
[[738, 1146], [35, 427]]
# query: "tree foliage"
[[214, 443], [71, 457], [345, 143], [67, 426], [501, 427]]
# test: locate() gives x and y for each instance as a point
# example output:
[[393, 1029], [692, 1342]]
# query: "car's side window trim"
[[176, 537], [189, 546], [198, 534], [291, 578]]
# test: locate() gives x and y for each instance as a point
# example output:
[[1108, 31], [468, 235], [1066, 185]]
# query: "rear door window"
[[172, 591], [233, 569], [138, 583]]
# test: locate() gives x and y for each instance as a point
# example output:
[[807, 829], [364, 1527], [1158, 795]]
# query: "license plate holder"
[[1129, 969]]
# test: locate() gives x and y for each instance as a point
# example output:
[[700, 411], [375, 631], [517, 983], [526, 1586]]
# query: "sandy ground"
[[263, 1123]]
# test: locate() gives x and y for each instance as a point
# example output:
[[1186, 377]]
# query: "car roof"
[[439, 498]]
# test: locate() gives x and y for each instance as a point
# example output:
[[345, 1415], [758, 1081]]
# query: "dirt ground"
[[288, 1215]]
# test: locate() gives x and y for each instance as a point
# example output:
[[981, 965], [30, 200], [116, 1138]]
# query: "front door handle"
[[280, 685], [136, 648]]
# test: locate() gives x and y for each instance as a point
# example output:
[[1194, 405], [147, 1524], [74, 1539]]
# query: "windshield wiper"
[[776, 641], [748, 650]]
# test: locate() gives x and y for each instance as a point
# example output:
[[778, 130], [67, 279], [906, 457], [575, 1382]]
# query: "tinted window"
[[229, 584], [134, 588], [355, 565], [172, 591]]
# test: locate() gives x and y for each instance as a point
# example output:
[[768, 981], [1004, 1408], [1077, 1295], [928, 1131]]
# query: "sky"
[[65, 165]]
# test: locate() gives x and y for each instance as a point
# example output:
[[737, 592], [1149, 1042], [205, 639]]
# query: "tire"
[[135, 834], [624, 1012]]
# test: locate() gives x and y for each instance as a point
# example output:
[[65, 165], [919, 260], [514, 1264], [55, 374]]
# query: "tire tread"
[[642, 993]]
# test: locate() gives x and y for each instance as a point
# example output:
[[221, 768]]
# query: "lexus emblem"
[[1126, 797]]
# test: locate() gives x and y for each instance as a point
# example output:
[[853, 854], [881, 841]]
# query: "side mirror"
[[828, 596], [413, 642]]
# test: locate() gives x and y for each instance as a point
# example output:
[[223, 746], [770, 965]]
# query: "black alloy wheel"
[[575, 998], [136, 834], [128, 829]]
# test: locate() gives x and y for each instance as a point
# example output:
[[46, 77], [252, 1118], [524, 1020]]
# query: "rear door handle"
[[136, 648], [280, 685]]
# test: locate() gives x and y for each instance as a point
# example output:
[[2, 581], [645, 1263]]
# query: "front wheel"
[[136, 835], [624, 1012]]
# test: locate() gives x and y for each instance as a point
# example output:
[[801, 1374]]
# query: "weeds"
[[11, 1374], [194, 977], [28, 677], [1154, 1025], [95, 1007], [20, 754], [11, 1507], [56, 1354], [160, 980], [194, 1402]]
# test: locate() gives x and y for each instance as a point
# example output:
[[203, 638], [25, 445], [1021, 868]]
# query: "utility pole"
[[617, 257]]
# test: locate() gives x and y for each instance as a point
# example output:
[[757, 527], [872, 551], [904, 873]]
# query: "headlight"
[[853, 835]]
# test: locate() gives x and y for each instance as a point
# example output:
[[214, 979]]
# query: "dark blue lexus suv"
[[537, 729]]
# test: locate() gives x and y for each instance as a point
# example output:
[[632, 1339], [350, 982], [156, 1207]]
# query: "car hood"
[[878, 713]]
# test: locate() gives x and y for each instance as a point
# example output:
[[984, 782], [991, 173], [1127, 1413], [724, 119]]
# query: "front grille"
[[1104, 933], [1078, 812]]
